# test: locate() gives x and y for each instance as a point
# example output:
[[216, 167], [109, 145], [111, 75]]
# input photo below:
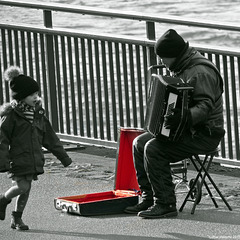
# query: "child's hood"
[[5, 109]]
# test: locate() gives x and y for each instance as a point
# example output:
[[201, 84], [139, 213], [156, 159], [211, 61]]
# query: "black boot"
[[159, 211], [17, 222], [144, 205], [3, 205]]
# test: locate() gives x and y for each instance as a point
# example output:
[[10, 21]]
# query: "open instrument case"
[[126, 190]]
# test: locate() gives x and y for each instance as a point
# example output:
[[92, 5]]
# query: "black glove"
[[172, 121]]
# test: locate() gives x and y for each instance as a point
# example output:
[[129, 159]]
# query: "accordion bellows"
[[166, 93]]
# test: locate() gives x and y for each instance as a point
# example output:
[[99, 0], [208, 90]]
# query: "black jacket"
[[206, 105], [21, 142]]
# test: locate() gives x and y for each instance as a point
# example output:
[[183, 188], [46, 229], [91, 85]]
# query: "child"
[[24, 129]]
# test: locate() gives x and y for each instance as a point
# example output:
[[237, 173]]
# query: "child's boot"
[[3, 205], [17, 222]]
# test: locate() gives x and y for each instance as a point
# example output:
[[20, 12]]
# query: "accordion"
[[166, 93]]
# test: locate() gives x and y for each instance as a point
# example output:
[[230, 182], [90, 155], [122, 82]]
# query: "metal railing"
[[93, 83]]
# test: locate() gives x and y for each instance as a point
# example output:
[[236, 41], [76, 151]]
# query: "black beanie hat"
[[170, 44], [20, 84]]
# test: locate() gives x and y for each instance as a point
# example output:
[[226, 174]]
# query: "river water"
[[225, 11]]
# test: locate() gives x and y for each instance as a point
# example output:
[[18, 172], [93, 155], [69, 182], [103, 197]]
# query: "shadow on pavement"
[[212, 215], [98, 236]]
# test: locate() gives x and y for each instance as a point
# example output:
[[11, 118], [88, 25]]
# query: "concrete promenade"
[[94, 172]]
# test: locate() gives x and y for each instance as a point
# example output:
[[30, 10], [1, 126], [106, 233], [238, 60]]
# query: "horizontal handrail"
[[85, 34], [115, 38], [126, 15]]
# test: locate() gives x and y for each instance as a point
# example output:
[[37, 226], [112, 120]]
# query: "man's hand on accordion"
[[172, 120]]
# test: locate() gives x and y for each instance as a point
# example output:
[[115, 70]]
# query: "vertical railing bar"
[[223, 145], [92, 87], [24, 59], [44, 76], [235, 113], [65, 84], [72, 87], [79, 87], [105, 83], [36, 53], [112, 82], [10, 47], [238, 60], [85, 85], [1, 72], [58, 81], [1, 83], [133, 82], [150, 31], [16, 48], [1, 80], [145, 64], [228, 113], [30, 58], [140, 85], [125, 79], [5, 64], [119, 84], [51, 78], [47, 17], [209, 55], [4, 49], [99, 88]]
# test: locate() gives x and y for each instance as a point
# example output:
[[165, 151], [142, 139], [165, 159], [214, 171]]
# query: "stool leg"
[[202, 179], [217, 189], [188, 194], [191, 189], [204, 176]]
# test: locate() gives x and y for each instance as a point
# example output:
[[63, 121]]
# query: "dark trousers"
[[152, 158]]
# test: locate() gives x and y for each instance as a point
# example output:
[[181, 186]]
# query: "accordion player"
[[166, 93]]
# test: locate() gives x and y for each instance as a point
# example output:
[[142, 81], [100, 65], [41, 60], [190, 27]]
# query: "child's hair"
[[20, 84]]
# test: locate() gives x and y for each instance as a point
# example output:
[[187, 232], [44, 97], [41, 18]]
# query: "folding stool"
[[181, 182], [202, 170]]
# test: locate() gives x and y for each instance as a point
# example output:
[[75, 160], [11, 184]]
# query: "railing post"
[[47, 15], [150, 27]]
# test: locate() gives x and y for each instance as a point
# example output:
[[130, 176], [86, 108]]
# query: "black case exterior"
[[126, 191], [107, 205]]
